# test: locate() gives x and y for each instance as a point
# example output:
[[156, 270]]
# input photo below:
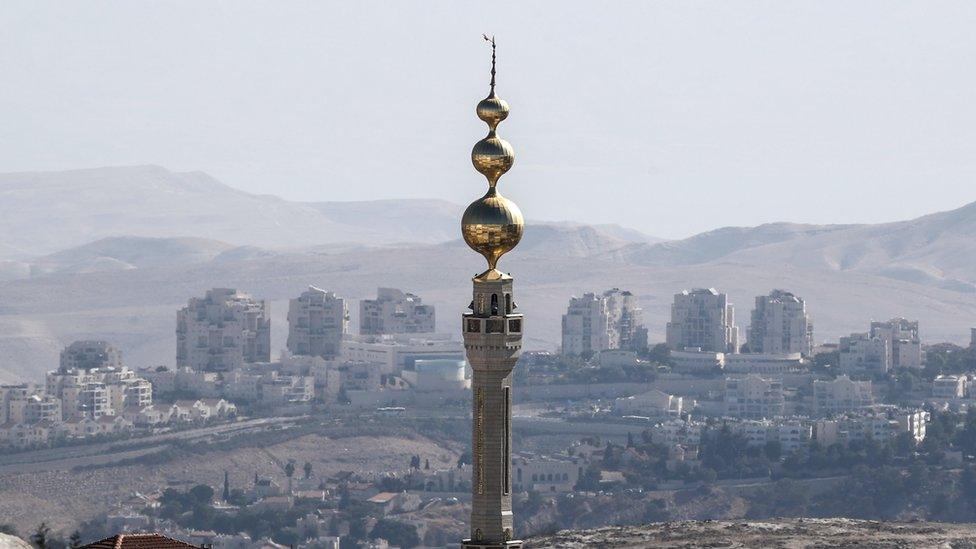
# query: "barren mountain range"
[[112, 253]]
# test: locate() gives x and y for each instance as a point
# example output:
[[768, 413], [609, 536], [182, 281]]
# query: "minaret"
[[492, 226]]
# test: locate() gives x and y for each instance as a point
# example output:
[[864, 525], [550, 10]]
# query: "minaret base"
[[472, 544]]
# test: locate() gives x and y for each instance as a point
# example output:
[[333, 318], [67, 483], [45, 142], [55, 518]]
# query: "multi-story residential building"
[[790, 434], [780, 325], [222, 331], [98, 392], [627, 318], [841, 395], [949, 387], [588, 327], [89, 355], [677, 431], [904, 347], [317, 321], [283, 389], [702, 319], [82, 393], [595, 323], [13, 399], [546, 473], [879, 423], [395, 312], [753, 397], [864, 353], [43, 407]]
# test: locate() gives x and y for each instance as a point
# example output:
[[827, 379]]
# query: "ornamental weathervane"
[[492, 226]]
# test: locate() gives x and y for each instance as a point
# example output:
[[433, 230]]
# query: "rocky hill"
[[12, 542], [780, 533]]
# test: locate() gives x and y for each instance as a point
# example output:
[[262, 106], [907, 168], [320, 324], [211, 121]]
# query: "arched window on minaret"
[[494, 304], [508, 304]]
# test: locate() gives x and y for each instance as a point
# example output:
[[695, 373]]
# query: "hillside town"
[[632, 402]]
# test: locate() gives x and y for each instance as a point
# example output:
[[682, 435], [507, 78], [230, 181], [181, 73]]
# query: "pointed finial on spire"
[[492, 42]]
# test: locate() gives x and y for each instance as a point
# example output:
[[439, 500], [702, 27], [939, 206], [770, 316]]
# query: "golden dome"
[[492, 226], [492, 110], [492, 156]]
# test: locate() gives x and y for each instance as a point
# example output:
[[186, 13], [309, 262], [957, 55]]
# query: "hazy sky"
[[670, 117]]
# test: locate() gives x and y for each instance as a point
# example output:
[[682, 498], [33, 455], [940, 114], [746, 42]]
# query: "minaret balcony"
[[507, 324]]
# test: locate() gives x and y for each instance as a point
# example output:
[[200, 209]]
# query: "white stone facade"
[[395, 312], [753, 397], [317, 322], [222, 331], [841, 395], [702, 319], [780, 325]]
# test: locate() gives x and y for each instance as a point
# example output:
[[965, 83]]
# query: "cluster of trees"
[[43, 538]]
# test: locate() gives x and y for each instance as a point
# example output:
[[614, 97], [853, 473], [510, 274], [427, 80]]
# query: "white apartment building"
[[98, 392], [587, 327], [753, 397], [677, 431], [841, 395], [949, 387], [395, 312], [317, 321], [13, 400], [88, 355], [790, 434], [222, 331], [702, 319], [627, 318], [902, 340], [864, 353], [278, 389], [880, 423], [780, 325], [595, 323]]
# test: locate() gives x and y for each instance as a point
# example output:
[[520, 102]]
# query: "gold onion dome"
[[493, 224], [492, 156]]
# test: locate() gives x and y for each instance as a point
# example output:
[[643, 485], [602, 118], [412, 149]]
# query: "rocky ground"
[[782, 534]]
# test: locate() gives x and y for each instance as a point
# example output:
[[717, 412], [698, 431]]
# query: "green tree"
[[7, 528], [74, 542], [201, 494], [590, 479], [41, 536], [396, 532], [308, 470]]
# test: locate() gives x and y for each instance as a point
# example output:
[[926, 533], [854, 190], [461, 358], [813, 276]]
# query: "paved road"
[[108, 452]]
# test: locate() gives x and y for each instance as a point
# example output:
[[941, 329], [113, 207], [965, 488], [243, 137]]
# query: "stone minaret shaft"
[[492, 226]]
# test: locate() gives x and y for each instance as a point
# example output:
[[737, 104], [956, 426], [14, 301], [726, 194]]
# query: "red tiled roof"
[[139, 541]]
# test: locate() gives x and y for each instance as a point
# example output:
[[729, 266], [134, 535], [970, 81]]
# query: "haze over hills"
[[127, 287], [45, 212]]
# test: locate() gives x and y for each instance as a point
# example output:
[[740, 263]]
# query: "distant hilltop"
[[785, 533]]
